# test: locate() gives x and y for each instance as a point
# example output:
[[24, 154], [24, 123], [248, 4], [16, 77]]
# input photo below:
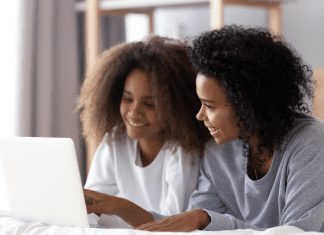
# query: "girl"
[[140, 101], [267, 168]]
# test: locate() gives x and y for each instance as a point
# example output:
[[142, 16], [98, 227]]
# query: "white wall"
[[9, 67], [137, 27]]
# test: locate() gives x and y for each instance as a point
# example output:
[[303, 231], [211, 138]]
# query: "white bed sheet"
[[13, 226]]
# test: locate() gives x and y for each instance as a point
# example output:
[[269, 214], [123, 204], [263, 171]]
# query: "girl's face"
[[218, 117], [137, 107]]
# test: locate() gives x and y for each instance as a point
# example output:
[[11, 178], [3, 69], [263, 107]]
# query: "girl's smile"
[[135, 124], [137, 107]]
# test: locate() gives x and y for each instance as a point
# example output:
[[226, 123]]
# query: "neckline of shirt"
[[271, 173], [157, 161]]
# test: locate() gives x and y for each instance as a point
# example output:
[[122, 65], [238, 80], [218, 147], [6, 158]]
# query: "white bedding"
[[13, 226]]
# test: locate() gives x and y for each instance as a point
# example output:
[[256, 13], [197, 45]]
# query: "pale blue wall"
[[303, 27]]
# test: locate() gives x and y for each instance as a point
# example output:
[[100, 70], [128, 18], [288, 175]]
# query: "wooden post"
[[216, 14], [92, 32], [275, 19], [91, 50], [150, 14], [318, 105]]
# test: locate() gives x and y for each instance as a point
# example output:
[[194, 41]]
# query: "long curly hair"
[[264, 79], [167, 65]]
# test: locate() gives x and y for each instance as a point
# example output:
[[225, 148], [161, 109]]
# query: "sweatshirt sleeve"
[[206, 196], [101, 176], [304, 199], [181, 174]]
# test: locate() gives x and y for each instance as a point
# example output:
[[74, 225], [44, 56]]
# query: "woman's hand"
[[101, 203], [184, 222], [111, 205]]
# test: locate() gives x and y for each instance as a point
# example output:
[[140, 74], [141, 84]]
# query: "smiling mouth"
[[213, 129], [137, 124]]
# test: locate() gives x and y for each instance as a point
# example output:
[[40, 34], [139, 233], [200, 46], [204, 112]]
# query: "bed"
[[12, 226]]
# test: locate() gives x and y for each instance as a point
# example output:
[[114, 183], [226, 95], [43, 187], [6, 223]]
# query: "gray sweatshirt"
[[291, 193]]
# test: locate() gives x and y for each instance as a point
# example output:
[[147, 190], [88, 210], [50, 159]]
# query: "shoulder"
[[120, 139], [111, 144], [216, 152], [307, 130], [175, 154], [305, 144], [218, 160]]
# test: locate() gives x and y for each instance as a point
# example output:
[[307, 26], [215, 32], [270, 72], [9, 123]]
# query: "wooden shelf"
[[94, 9], [111, 5], [142, 5]]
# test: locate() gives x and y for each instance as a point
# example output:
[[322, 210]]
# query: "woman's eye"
[[209, 107]]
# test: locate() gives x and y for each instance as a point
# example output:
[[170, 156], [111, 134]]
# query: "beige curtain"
[[49, 82]]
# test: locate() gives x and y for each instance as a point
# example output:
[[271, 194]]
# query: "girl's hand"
[[101, 203], [184, 222], [111, 205]]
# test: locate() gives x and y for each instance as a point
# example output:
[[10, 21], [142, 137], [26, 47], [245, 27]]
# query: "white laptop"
[[43, 180]]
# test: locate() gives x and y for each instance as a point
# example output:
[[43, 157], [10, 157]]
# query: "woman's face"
[[218, 117], [137, 107]]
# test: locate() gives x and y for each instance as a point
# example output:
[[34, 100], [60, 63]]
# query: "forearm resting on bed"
[[184, 222], [133, 214]]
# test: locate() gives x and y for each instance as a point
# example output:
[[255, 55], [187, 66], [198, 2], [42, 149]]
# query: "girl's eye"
[[150, 105], [127, 100]]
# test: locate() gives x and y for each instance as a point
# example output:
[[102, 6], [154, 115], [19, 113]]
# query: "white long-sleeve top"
[[164, 186]]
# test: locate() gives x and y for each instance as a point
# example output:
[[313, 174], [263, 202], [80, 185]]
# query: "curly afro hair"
[[265, 82], [167, 65]]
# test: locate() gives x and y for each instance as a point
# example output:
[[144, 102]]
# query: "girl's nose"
[[200, 115], [135, 110]]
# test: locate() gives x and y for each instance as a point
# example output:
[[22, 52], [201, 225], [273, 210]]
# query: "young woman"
[[140, 101], [267, 168]]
